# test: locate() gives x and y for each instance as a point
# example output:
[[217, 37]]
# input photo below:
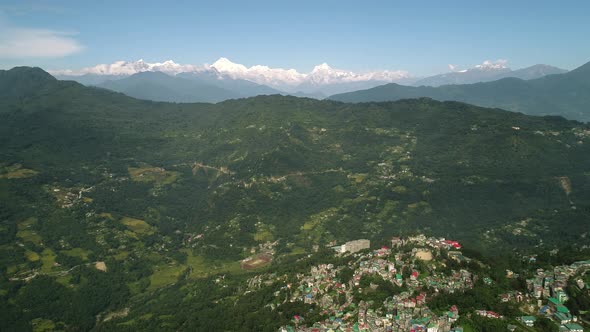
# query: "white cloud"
[[25, 43], [452, 67]]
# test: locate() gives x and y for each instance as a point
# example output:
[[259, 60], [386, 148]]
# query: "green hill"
[[560, 94], [162, 192]]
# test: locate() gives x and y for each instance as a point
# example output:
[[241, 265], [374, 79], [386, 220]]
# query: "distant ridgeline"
[[106, 198], [566, 94]]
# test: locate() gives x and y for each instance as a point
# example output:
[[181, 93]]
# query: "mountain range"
[[558, 94], [486, 72], [321, 82]]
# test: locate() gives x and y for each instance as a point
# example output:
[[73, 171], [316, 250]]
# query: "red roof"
[[455, 244]]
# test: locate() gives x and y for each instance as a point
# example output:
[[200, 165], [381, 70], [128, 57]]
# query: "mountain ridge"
[[557, 94], [488, 73]]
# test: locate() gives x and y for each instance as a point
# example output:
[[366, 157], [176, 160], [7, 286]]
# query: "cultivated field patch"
[[256, 261], [156, 175], [16, 171], [137, 226]]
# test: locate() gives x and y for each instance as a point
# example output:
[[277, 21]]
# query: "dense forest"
[[108, 202]]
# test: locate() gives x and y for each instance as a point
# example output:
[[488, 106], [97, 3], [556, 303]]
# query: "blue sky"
[[422, 37]]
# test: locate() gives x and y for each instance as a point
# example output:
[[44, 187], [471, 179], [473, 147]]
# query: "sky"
[[421, 37]]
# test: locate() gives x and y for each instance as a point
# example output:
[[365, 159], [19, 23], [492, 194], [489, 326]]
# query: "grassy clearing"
[[121, 255], [297, 251], [157, 175], [77, 252], [263, 235], [16, 171], [137, 226], [358, 178], [27, 223], [48, 260], [165, 275], [64, 280], [168, 274], [42, 325], [32, 256], [106, 215], [29, 236]]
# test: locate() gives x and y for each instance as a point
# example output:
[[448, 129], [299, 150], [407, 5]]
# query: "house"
[[562, 318], [572, 327], [488, 314], [396, 242], [453, 244], [553, 303], [561, 296], [528, 320], [432, 328]]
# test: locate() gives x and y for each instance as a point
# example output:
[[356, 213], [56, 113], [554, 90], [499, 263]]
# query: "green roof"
[[562, 316], [528, 318], [562, 308], [574, 326]]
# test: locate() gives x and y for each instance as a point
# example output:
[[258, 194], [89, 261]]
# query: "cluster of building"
[[406, 311], [549, 288]]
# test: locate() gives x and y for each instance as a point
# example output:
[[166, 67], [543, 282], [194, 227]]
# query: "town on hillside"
[[409, 285]]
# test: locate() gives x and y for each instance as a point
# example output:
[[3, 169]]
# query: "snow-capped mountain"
[[288, 80], [275, 77], [487, 71], [126, 68]]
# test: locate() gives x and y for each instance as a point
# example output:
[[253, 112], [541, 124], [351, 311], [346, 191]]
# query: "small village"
[[401, 264]]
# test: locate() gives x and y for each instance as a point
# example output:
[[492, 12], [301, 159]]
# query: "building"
[[563, 318], [572, 327], [396, 242], [528, 320]]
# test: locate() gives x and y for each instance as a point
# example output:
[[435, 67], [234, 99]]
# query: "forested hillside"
[[106, 199]]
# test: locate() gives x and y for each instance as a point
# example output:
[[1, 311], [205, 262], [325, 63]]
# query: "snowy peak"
[[223, 68], [492, 65], [324, 67], [488, 71], [224, 65], [127, 68]]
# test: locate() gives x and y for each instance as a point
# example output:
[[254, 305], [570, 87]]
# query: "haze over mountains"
[[185, 87], [565, 94]]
